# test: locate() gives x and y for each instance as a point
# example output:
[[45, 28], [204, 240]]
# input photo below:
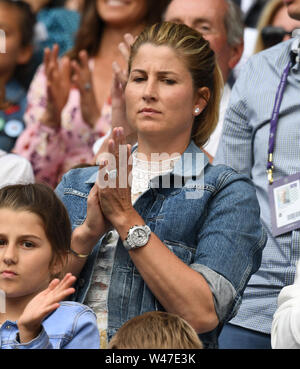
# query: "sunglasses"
[[273, 35]]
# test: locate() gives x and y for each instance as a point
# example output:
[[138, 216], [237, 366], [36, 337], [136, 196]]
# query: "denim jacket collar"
[[192, 162], [189, 165]]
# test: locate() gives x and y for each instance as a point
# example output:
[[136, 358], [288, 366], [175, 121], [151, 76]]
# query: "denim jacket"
[[71, 326], [211, 222]]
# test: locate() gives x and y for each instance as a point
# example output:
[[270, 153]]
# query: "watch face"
[[139, 237]]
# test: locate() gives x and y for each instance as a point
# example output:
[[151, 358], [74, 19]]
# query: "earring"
[[197, 110]]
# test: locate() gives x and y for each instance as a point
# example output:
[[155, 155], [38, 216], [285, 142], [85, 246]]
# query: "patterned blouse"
[[52, 152]]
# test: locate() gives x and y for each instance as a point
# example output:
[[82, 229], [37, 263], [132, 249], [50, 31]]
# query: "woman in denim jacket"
[[193, 237]]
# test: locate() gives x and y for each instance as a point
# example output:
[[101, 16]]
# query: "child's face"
[[25, 254], [10, 23]]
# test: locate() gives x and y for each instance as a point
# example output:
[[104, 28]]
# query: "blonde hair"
[[266, 19], [156, 330], [200, 61]]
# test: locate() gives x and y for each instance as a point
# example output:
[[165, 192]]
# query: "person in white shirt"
[[14, 170], [285, 333]]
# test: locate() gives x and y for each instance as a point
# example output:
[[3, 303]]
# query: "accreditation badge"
[[284, 199]]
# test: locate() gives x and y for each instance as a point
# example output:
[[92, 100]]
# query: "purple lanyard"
[[274, 120]]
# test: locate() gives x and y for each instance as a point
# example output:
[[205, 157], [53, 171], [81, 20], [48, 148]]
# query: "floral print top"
[[52, 152]]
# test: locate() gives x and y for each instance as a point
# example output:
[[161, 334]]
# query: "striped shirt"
[[244, 146]]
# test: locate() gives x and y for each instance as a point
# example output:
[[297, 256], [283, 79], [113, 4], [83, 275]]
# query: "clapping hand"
[[119, 82], [95, 223], [58, 85], [114, 184], [82, 79], [41, 305], [119, 118]]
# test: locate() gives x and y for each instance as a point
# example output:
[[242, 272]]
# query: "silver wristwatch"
[[137, 236]]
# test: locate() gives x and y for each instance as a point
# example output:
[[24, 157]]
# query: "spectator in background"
[[251, 11], [13, 168], [156, 330], [275, 25], [17, 21], [68, 110], [55, 25], [260, 138]]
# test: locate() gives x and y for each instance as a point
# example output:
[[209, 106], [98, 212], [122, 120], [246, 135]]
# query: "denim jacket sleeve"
[[78, 330], [40, 342], [85, 332], [232, 238]]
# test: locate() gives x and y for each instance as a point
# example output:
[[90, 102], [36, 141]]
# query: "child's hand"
[[41, 305]]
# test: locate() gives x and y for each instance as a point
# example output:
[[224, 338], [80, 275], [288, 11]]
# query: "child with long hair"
[[35, 234]]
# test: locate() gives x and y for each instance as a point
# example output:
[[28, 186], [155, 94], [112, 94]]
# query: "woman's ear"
[[201, 100]]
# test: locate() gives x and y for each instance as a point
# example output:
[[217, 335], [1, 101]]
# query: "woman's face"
[[160, 97], [122, 12]]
